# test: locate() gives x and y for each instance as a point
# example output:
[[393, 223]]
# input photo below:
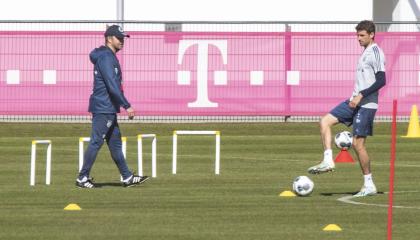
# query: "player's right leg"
[[327, 164], [363, 127], [368, 187]]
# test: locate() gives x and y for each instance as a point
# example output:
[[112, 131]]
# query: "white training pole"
[[154, 157], [33, 162], [124, 146], [217, 163], [124, 150], [48, 168], [81, 150], [184, 132], [33, 155], [174, 152], [140, 153]]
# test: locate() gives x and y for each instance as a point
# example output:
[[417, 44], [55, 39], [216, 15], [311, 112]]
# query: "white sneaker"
[[323, 167], [366, 191], [134, 179]]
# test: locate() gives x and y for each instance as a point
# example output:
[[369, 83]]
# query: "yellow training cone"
[[413, 126], [332, 227], [72, 207], [287, 194]]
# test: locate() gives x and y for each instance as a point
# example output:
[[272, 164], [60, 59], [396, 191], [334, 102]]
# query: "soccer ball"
[[303, 186], [343, 140]]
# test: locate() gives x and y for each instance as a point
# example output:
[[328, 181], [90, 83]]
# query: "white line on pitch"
[[348, 199], [282, 159]]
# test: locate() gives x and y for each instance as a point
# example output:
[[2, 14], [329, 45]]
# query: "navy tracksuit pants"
[[105, 127]]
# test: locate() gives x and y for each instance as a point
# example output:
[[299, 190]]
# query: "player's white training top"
[[371, 62]]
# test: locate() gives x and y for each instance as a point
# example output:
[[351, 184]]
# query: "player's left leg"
[[369, 187], [363, 127], [360, 149], [115, 147]]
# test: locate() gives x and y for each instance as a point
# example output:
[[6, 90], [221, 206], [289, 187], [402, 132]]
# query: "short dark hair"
[[106, 39], [366, 25]]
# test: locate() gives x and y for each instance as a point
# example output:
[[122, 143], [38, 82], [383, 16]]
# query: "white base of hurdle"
[[33, 159], [140, 153], [182, 132]]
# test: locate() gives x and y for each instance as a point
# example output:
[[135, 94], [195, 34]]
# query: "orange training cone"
[[413, 126], [344, 157]]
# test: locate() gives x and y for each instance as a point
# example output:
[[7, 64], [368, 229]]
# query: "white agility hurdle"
[[175, 145], [33, 158], [140, 153]]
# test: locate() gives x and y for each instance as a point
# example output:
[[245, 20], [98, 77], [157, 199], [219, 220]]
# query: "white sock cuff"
[[328, 152], [368, 179], [368, 176], [328, 155]]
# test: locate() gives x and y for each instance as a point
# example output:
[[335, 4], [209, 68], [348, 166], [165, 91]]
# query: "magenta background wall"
[[151, 62]]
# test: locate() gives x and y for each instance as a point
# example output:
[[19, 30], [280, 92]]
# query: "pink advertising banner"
[[204, 73]]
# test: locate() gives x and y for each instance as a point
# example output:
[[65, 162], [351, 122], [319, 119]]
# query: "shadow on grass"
[[341, 193], [108, 184]]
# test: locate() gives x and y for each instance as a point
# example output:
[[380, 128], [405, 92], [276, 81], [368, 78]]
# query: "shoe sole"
[[317, 171], [367, 195], [84, 187]]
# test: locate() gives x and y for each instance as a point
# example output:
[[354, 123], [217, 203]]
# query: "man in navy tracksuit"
[[104, 104]]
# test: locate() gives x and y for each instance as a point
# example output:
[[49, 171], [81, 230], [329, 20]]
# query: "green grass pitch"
[[258, 161]]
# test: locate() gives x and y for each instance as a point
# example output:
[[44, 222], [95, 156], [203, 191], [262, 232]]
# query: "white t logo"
[[202, 67]]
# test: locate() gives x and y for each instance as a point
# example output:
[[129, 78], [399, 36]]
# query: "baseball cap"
[[116, 31]]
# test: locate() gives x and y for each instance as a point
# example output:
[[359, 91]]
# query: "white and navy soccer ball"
[[343, 140], [303, 186]]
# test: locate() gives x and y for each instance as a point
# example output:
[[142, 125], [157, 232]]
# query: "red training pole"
[[392, 166]]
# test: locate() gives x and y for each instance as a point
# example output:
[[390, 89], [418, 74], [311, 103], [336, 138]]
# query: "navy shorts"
[[361, 118]]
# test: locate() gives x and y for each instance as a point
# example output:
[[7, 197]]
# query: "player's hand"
[[131, 113], [355, 101]]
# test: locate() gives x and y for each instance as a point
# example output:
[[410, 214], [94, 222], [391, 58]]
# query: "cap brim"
[[123, 36]]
